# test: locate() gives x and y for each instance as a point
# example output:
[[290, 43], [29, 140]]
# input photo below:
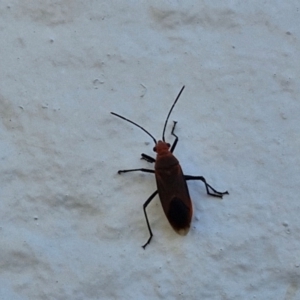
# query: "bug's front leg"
[[176, 137], [147, 158], [134, 170]]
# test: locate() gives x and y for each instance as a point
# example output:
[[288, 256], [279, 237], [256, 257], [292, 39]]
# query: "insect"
[[171, 182]]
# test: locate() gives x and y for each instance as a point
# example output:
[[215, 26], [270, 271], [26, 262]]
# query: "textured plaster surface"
[[70, 226]]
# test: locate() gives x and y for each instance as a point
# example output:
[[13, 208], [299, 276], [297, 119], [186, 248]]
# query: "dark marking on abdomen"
[[179, 214]]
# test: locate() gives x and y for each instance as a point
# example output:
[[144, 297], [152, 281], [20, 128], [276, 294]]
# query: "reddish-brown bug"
[[171, 182]]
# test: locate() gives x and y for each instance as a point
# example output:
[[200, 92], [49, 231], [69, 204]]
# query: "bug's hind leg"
[[148, 224], [215, 194], [176, 138]]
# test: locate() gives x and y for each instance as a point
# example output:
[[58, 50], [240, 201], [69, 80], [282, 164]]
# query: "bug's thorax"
[[164, 158]]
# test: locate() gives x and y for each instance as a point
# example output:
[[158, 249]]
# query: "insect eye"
[[154, 149]]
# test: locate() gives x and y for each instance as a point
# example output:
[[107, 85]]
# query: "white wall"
[[70, 227]]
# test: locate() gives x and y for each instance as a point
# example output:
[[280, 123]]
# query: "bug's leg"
[[134, 170], [148, 158], [148, 224], [176, 137], [216, 193]]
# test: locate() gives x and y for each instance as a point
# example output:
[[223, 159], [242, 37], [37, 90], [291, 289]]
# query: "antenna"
[[136, 125], [163, 135]]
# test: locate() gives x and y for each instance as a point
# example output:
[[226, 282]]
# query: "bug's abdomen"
[[179, 216], [174, 197]]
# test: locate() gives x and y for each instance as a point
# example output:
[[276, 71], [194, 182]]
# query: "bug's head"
[[161, 148]]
